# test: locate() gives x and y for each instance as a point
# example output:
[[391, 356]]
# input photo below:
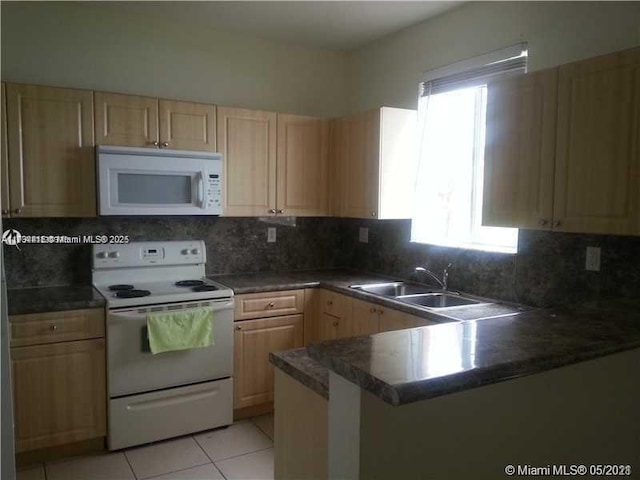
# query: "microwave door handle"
[[201, 189]]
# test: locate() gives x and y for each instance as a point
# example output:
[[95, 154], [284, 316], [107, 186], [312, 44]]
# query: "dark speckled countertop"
[[340, 281], [52, 299], [303, 368], [421, 363]]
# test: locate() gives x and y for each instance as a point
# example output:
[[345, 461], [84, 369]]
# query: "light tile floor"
[[242, 451]]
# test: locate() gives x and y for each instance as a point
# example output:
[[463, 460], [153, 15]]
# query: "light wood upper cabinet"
[[126, 120], [247, 141], [520, 150], [253, 341], [51, 154], [597, 182], [375, 155], [134, 121], [4, 162], [187, 126], [563, 149], [59, 393], [302, 166]]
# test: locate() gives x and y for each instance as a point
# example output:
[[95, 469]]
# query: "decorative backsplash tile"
[[548, 269]]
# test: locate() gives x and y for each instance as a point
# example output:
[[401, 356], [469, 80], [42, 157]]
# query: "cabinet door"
[[247, 141], [59, 393], [338, 163], [303, 149], [363, 320], [254, 339], [520, 151], [597, 179], [187, 126], [51, 155], [363, 165], [4, 163], [126, 120], [329, 327]]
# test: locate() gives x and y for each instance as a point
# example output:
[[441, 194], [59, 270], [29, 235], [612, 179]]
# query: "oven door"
[[147, 182], [134, 369]]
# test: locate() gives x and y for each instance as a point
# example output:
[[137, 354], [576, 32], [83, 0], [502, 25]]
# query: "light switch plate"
[[271, 235], [363, 235], [592, 262]]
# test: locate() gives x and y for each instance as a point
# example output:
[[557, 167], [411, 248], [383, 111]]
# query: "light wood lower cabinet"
[[396, 320], [253, 341], [59, 393], [59, 377]]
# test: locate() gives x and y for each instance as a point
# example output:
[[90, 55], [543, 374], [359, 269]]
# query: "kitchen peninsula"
[[465, 400]]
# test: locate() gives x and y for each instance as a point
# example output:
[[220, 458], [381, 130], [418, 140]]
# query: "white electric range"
[[152, 397]]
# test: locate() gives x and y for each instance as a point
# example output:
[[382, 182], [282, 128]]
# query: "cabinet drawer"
[[51, 327], [271, 304], [332, 303]]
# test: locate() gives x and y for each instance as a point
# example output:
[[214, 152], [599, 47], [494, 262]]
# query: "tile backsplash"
[[548, 269], [233, 245]]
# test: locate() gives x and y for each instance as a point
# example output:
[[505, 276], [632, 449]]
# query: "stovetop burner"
[[120, 287], [204, 288], [132, 293], [189, 283]]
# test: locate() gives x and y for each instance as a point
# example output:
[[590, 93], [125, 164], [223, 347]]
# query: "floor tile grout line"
[[130, 466], [242, 455], [207, 455], [181, 470]]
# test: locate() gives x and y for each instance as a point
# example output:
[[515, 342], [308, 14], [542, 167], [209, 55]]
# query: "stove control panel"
[[138, 254]]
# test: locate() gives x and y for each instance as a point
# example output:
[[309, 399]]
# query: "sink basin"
[[394, 289], [437, 300]]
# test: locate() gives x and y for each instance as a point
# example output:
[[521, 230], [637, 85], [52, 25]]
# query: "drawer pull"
[[330, 302], [335, 324], [271, 305], [373, 310], [53, 328], [238, 328]]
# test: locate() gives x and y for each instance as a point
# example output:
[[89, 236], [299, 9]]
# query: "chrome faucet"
[[442, 282]]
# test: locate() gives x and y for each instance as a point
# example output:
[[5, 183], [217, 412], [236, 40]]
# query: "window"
[[449, 183]]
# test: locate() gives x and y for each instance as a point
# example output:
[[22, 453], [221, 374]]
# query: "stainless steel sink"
[[437, 300], [394, 289]]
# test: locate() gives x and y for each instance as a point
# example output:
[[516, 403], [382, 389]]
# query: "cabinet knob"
[[373, 214], [372, 310], [271, 305], [272, 210], [238, 328], [330, 302], [280, 211], [18, 210], [335, 324], [543, 221], [5, 211], [53, 328], [165, 144], [557, 223], [380, 311], [155, 143]]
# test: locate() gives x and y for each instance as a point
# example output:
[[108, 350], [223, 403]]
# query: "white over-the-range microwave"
[[144, 181]]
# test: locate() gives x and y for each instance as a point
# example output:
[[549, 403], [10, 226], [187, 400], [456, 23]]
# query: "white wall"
[[387, 71], [93, 45]]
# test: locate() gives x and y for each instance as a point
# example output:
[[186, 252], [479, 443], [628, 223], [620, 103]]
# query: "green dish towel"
[[180, 330]]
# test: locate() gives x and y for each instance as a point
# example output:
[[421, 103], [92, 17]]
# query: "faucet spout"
[[442, 282]]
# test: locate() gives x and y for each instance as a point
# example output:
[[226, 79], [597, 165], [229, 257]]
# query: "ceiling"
[[334, 25]]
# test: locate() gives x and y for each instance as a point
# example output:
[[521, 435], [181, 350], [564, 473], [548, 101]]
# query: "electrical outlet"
[[592, 262], [363, 235], [271, 235]]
